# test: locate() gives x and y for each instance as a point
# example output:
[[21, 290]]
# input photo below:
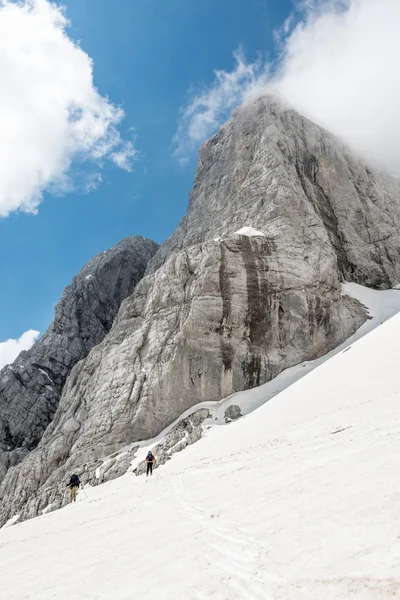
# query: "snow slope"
[[299, 500]]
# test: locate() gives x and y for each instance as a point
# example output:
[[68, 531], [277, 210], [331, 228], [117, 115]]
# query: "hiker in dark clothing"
[[150, 459], [74, 484]]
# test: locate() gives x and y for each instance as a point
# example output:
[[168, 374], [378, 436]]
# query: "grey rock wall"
[[274, 170], [31, 387]]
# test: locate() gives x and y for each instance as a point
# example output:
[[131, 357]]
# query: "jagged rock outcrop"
[[224, 308], [232, 413], [30, 388], [185, 433]]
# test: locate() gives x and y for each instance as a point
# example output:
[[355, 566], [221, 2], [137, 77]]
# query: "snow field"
[[299, 500]]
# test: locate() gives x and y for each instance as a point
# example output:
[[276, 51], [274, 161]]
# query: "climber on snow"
[[150, 459], [74, 484]]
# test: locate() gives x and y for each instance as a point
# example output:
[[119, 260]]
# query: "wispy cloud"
[[125, 156], [51, 114], [10, 349], [211, 106], [337, 64]]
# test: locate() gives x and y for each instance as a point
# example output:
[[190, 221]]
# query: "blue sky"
[[63, 131], [147, 56]]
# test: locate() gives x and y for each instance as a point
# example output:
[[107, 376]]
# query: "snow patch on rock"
[[43, 372], [12, 521], [250, 232]]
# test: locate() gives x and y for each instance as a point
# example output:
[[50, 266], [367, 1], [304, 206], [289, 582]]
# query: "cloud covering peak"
[[337, 65], [340, 68]]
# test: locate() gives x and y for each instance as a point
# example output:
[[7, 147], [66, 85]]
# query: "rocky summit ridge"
[[31, 387], [249, 284]]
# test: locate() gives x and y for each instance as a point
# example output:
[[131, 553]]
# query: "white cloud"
[[123, 158], [51, 115], [211, 106], [338, 65], [341, 69], [10, 349]]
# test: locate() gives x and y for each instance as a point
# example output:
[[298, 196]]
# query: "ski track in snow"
[[233, 550]]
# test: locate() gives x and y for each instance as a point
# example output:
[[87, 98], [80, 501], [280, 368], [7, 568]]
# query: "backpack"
[[150, 455], [75, 480]]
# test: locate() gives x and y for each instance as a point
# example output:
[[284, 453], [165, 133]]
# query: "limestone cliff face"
[[271, 168], [224, 308], [30, 388]]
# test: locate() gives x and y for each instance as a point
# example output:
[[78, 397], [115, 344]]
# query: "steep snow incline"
[[297, 501]]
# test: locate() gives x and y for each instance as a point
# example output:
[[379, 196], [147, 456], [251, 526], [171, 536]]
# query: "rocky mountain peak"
[[30, 388], [276, 171], [281, 213]]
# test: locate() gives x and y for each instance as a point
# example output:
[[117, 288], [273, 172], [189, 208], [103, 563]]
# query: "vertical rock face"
[[278, 172], [30, 388], [248, 285]]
